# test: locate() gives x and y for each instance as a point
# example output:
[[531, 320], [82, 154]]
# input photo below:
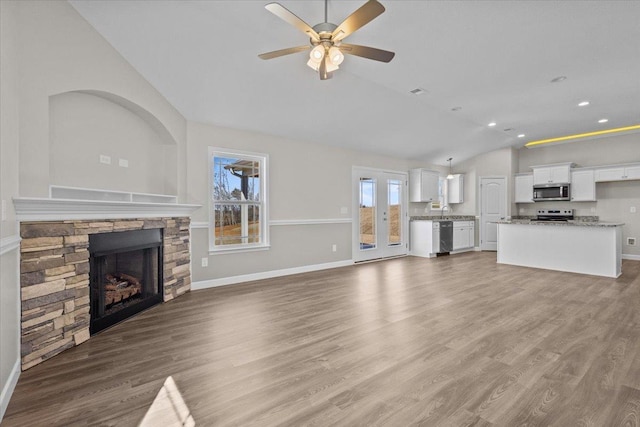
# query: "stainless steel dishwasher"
[[446, 236]]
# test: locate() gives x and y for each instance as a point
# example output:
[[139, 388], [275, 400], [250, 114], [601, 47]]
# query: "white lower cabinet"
[[463, 235], [425, 238]]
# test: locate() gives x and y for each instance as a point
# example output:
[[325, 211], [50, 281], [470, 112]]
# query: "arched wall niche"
[[85, 125]]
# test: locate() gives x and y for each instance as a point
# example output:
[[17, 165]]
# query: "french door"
[[380, 223]]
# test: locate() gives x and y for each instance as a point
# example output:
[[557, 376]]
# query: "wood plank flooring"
[[456, 341]]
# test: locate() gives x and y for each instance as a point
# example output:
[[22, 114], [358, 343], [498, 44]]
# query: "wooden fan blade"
[[361, 17], [283, 52], [288, 16], [367, 52]]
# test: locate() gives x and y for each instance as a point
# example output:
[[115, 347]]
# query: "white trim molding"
[[631, 257], [205, 284], [281, 222], [278, 222], [9, 387], [44, 209], [8, 244]]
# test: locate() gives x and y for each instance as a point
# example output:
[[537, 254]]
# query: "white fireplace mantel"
[[69, 203]]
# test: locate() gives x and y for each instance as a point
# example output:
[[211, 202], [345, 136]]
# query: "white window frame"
[[263, 160]]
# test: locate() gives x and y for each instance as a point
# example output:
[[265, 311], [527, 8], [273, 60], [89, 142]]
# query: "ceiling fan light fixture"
[[313, 64], [331, 67], [317, 53], [336, 56]]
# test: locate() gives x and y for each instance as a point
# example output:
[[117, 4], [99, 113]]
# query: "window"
[[238, 212], [443, 195]]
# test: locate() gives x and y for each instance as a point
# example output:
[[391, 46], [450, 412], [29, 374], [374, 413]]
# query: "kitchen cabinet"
[[583, 185], [455, 189], [423, 185], [463, 235], [552, 174], [425, 238], [618, 173], [524, 188]]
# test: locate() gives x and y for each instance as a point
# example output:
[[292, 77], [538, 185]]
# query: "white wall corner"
[[10, 243], [8, 388], [206, 284]]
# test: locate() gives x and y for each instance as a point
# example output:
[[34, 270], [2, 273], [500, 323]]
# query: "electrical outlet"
[[334, 247], [205, 262], [123, 163], [104, 159], [631, 241], [632, 209]]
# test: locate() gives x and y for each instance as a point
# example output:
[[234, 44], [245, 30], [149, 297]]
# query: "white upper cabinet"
[[552, 174], [423, 185], [523, 188], [583, 185], [455, 189], [618, 173]]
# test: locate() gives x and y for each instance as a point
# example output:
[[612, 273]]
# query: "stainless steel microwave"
[[551, 192]]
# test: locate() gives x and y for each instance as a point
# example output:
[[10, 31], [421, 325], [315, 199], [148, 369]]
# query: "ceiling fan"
[[327, 49]]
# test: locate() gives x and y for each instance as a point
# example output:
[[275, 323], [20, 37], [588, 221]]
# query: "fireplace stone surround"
[[54, 278]]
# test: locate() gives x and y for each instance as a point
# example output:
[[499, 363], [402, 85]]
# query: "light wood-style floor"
[[456, 340]]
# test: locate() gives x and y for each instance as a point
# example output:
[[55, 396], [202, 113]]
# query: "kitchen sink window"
[[238, 206]]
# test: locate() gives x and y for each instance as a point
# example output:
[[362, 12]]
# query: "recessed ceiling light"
[[456, 109], [492, 124], [521, 135], [559, 79], [583, 104], [417, 91], [603, 120]]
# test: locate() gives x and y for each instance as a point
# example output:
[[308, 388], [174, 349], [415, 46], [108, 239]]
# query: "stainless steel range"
[[554, 215]]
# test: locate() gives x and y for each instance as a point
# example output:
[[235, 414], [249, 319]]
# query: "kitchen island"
[[573, 246]]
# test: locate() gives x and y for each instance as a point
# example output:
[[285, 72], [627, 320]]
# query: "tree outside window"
[[238, 200]]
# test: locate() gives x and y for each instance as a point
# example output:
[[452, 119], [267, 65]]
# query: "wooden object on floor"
[[457, 340]]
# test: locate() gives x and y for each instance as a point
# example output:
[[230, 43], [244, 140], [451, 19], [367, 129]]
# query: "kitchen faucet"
[[442, 211]]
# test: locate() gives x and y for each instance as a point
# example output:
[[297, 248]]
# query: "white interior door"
[[493, 207], [380, 227]]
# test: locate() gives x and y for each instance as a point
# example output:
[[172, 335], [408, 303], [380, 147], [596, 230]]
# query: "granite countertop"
[[562, 223], [445, 218]]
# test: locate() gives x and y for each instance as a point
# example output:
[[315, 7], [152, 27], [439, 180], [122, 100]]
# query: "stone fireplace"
[[56, 268]]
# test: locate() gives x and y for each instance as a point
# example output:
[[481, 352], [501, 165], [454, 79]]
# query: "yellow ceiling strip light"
[[581, 135]]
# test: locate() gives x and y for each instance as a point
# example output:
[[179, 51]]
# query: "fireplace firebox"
[[125, 275]]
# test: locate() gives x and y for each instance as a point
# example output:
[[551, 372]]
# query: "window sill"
[[223, 251]]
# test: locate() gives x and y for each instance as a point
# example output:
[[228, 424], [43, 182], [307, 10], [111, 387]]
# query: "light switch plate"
[[632, 209], [205, 262], [123, 163], [104, 159]]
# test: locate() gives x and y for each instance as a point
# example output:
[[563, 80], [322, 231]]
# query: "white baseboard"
[[631, 257], [205, 284], [8, 388]]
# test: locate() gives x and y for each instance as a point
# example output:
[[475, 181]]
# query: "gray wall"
[[9, 286], [306, 182], [61, 53], [614, 199]]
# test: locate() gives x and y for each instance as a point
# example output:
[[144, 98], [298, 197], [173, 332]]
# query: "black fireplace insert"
[[125, 275]]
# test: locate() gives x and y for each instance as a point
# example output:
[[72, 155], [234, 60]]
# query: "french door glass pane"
[[367, 213], [394, 223]]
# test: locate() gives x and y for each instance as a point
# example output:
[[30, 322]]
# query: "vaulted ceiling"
[[491, 61]]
